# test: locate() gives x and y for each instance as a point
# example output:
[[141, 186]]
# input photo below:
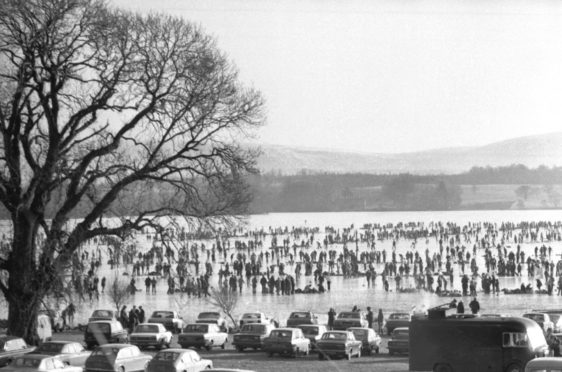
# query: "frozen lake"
[[345, 293]]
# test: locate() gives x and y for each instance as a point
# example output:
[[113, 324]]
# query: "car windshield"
[[360, 333], [162, 314], [400, 316], [26, 362], [99, 327], [167, 355], [299, 315], [196, 328], [49, 347], [535, 317], [353, 315], [102, 314], [400, 332], [146, 328], [106, 351], [310, 331], [253, 328], [251, 316], [209, 316], [334, 336], [281, 334], [555, 317]]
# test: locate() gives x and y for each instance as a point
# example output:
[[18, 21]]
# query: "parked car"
[[290, 341], [257, 317], [12, 347], [542, 319], [301, 317], [200, 335], [178, 360], [338, 344], [151, 334], [102, 314], [69, 352], [39, 363], [313, 332], [347, 319], [396, 320], [399, 341], [228, 370], [370, 339], [251, 336], [117, 357], [170, 319], [102, 332], [212, 317]]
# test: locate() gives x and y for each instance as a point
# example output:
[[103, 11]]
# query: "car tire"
[[223, 345], [390, 352], [514, 367], [377, 350], [320, 356], [307, 352], [121, 369], [239, 348], [208, 348], [348, 355]]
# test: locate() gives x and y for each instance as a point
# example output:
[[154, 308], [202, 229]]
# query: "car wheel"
[[307, 352], [348, 355], [390, 352], [320, 356], [121, 369], [208, 348], [377, 350], [239, 348], [514, 367], [223, 345]]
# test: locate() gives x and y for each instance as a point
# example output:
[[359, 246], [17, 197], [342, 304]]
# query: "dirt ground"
[[258, 360]]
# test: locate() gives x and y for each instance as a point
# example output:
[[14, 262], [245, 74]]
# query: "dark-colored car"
[[338, 344], [11, 347], [370, 339], [251, 336], [301, 317], [200, 335], [399, 341], [117, 357], [69, 352], [105, 332], [178, 360], [289, 341], [396, 320], [313, 332], [347, 319]]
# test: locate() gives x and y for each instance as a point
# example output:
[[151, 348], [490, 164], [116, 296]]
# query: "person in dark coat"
[[331, 318], [460, 307], [370, 317], [474, 306]]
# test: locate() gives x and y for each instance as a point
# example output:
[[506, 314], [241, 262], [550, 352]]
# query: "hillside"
[[531, 151]]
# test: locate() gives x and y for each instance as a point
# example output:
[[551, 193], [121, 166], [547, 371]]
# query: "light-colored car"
[[396, 320], [338, 344], [178, 360], [251, 336], [547, 364], [542, 319], [200, 335], [289, 341], [117, 357], [347, 319], [12, 347], [151, 334], [256, 317], [399, 341], [170, 319], [39, 363], [69, 352], [102, 332], [370, 339], [212, 317], [313, 332]]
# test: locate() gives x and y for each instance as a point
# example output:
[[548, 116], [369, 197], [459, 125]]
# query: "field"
[[258, 360]]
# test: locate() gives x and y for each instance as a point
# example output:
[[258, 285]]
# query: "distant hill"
[[531, 151]]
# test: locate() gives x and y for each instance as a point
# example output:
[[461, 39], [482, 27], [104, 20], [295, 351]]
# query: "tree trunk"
[[26, 285]]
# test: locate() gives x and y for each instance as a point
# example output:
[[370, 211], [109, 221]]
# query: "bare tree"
[[224, 300], [118, 292], [107, 113]]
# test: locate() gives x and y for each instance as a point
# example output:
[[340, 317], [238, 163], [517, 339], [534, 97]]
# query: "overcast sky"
[[391, 75]]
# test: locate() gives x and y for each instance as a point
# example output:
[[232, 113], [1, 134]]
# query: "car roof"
[[8, 338], [177, 350], [287, 329], [118, 346], [545, 362], [58, 342], [36, 356], [150, 324]]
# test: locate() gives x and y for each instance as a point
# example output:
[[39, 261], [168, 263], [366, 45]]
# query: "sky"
[[390, 76]]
